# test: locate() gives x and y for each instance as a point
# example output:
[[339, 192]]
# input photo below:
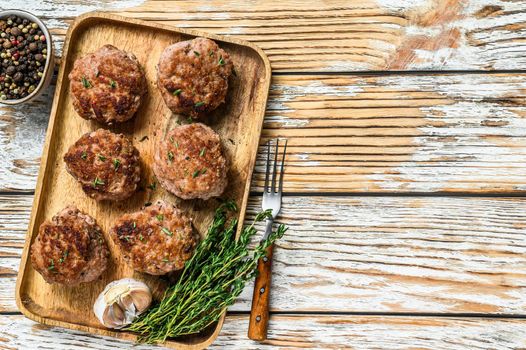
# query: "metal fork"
[[259, 314]]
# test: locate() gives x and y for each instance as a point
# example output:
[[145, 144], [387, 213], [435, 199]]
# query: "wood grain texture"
[[400, 133], [363, 254], [357, 253], [238, 121], [341, 35], [259, 311], [305, 332], [396, 133]]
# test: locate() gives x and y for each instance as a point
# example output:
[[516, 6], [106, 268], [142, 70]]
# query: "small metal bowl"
[[50, 60]]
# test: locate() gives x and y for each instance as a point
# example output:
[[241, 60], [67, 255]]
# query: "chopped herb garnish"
[[221, 61], [153, 185], [116, 164], [167, 231], [159, 217], [134, 224], [199, 104], [185, 172], [196, 53], [113, 84], [170, 156], [211, 53], [97, 182], [166, 260], [101, 157], [196, 173], [190, 120], [127, 238], [177, 92], [172, 139], [176, 144], [141, 238], [64, 256], [203, 151], [86, 83], [203, 171], [84, 155], [51, 265]]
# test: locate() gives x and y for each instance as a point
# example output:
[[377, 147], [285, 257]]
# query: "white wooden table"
[[405, 183]]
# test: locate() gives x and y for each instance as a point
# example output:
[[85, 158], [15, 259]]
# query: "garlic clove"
[[117, 314], [141, 299], [121, 302]]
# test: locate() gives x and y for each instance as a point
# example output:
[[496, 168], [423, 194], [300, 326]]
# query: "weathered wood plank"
[[396, 133], [306, 331], [382, 254], [400, 133], [342, 35]]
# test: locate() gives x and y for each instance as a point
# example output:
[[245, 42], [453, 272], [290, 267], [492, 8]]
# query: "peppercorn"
[[18, 77], [23, 56]]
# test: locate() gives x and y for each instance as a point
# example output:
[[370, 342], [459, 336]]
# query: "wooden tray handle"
[[259, 315]]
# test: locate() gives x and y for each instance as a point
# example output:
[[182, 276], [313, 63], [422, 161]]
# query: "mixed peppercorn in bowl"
[[26, 57]]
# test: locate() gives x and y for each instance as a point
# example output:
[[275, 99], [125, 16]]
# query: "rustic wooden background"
[[405, 182]]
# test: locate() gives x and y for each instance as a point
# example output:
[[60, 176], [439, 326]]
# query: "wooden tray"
[[238, 122]]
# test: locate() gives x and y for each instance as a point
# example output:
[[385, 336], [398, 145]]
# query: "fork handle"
[[259, 314]]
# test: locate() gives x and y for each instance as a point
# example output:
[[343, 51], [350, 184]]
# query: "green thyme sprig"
[[210, 282]]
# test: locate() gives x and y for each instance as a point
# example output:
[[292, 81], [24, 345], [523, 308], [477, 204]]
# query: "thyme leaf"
[[211, 280]]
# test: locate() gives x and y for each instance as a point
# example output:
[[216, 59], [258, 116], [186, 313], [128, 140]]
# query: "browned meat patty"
[[70, 249], [193, 76], [156, 240], [107, 85], [189, 162], [105, 164]]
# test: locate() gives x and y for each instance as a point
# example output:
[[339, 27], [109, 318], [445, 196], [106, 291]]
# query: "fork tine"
[[281, 170], [268, 167], [275, 170]]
